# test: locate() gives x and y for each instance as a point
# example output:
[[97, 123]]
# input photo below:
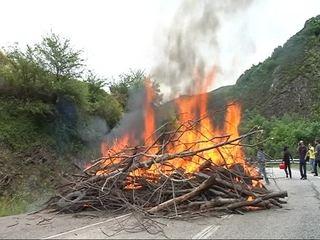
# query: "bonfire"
[[187, 166]]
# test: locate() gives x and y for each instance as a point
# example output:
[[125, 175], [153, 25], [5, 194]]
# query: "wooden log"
[[175, 201], [219, 201], [237, 171], [257, 203], [281, 194], [240, 187], [226, 191], [217, 193], [280, 201], [239, 204], [274, 202]]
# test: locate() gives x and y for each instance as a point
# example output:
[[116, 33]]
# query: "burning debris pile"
[[186, 166], [186, 171]]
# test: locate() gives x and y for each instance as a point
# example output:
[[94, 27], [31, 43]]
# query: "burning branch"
[[171, 176]]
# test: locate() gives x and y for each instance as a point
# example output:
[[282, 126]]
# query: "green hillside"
[[287, 81]]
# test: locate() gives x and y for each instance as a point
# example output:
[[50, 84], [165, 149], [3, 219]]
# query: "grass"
[[29, 190], [19, 203], [15, 204], [12, 206]]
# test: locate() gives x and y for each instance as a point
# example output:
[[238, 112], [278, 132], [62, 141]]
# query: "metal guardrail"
[[275, 161], [272, 162], [295, 160]]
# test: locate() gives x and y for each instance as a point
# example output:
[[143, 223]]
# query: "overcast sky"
[[117, 35]]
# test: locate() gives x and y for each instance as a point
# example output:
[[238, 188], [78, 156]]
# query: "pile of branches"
[[110, 183]]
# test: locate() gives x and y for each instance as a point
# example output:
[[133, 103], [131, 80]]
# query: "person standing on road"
[[286, 159], [311, 157], [262, 164], [303, 152], [317, 157]]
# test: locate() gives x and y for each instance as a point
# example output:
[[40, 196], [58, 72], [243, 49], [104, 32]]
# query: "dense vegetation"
[[54, 111], [281, 94]]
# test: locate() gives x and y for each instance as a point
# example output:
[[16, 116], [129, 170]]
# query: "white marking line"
[[206, 233], [88, 226], [227, 216]]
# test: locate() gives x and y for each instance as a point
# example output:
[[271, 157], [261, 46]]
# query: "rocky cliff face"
[[285, 83], [288, 81], [294, 97]]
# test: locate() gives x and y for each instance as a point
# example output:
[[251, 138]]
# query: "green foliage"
[[277, 52], [129, 84], [35, 90], [19, 129], [102, 103], [95, 87], [57, 57], [75, 91], [299, 57], [279, 132], [12, 205], [294, 63], [46, 71], [23, 201], [312, 26], [55, 93], [108, 108], [32, 184]]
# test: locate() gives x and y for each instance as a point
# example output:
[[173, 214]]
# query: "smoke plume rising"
[[192, 42]]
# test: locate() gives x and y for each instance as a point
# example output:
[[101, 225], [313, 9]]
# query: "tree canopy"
[[50, 76]]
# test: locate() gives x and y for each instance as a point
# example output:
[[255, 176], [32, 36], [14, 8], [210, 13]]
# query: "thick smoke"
[[132, 121], [191, 41], [96, 128]]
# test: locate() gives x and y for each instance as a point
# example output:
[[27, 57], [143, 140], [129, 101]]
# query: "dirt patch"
[[30, 177]]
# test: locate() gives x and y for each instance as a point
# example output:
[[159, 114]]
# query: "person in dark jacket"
[[303, 153], [286, 159]]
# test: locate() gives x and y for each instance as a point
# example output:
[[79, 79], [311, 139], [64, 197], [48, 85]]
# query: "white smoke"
[[197, 38]]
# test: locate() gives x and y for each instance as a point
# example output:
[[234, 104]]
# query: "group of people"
[[308, 154]]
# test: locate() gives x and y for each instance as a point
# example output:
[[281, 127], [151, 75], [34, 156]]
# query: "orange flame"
[[149, 118], [196, 133]]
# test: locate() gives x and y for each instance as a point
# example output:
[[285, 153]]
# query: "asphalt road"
[[298, 219]]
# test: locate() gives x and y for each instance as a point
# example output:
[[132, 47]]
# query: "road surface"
[[298, 219]]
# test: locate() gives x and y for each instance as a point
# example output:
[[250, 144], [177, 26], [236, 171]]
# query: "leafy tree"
[[42, 71], [57, 57], [95, 86], [50, 84], [102, 103], [313, 25], [120, 89], [23, 78], [128, 85], [279, 132], [109, 109]]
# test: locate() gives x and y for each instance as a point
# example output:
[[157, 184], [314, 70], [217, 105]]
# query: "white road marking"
[[206, 233], [227, 216], [88, 226]]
